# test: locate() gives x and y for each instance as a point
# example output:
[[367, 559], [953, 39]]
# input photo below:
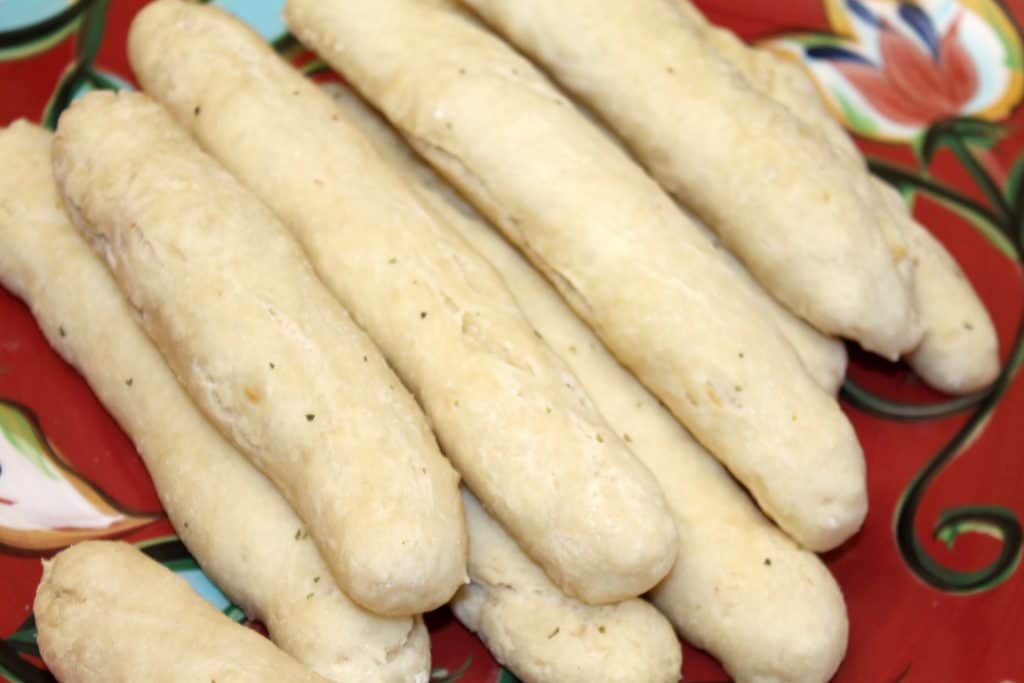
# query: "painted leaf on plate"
[[44, 504]]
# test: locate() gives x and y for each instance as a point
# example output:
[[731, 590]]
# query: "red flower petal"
[[959, 76], [915, 76], [874, 85]]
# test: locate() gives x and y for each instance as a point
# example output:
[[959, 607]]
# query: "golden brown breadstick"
[[265, 351], [544, 636], [233, 521], [106, 613]]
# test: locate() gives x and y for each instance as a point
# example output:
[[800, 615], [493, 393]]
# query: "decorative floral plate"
[[932, 88]]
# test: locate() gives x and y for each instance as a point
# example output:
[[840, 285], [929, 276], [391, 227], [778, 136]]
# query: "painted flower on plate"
[[890, 70]]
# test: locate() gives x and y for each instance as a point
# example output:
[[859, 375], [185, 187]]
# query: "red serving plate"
[[932, 89]]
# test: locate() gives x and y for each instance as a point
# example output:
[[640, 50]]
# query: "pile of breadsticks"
[[312, 338]]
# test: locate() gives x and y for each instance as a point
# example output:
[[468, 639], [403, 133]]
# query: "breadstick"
[[106, 613], [617, 248], [959, 352], [265, 351], [541, 635], [783, 619], [511, 416], [243, 534], [824, 358], [781, 202]]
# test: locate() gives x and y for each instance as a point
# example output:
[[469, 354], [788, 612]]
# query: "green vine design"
[[880, 406], [1001, 221], [82, 75], [42, 35]]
